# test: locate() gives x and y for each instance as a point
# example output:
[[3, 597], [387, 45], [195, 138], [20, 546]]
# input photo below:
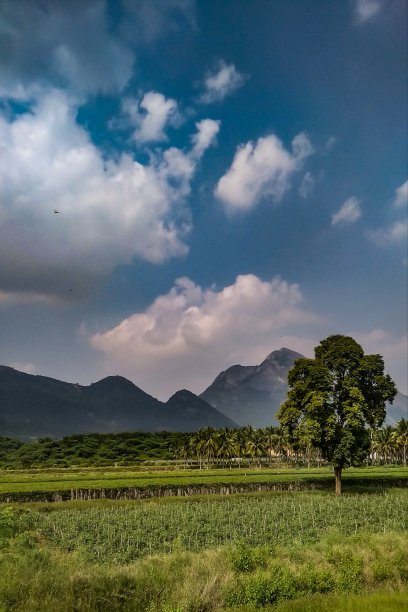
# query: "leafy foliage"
[[335, 398]]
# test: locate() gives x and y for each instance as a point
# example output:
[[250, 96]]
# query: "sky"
[[186, 185]]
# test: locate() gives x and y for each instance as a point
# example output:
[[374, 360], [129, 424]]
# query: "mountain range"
[[251, 395], [38, 406]]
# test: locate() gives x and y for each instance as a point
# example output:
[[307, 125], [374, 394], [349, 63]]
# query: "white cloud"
[[396, 233], [349, 212], [110, 210], [157, 112], [219, 84], [366, 9], [261, 170], [187, 336], [401, 196], [207, 130], [393, 348], [307, 185]]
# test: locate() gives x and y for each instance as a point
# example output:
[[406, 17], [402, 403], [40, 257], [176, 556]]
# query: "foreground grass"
[[32, 481], [380, 601], [323, 576], [283, 552]]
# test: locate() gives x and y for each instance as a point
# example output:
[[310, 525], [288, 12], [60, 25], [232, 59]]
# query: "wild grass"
[[37, 577]]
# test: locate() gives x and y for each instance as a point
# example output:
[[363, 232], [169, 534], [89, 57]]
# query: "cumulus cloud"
[[349, 212], [110, 210], [261, 170], [393, 348], [185, 337], [366, 9], [150, 116], [401, 196], [396, 233], [219, 84]]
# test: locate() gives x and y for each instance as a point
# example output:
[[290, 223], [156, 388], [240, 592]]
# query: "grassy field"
[[308, 550], [32, 481], [295, 550]]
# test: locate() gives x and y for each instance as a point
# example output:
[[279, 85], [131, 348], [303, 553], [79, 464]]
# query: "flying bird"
[[56, 212]]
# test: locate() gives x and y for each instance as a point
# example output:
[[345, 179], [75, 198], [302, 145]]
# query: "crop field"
[[43, 481], [233, 553], [125, 533], [297, 549]]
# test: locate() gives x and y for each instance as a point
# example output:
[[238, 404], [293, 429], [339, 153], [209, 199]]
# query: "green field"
[[301, 550], [37, 481], [225, 553]]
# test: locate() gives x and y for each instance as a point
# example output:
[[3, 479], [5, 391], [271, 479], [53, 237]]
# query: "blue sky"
[[229, 177]]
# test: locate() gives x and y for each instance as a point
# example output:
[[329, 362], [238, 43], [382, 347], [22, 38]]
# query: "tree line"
[[208, 447]]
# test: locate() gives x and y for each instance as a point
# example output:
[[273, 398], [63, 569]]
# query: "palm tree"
[[385, 443], [256, 445], [225, 446], [240, 440], [400, 435], [280, 443], [269, 433], [210, 443]]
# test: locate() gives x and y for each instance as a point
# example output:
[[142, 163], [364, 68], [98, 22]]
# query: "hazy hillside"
[[38, 406], [253, 394]]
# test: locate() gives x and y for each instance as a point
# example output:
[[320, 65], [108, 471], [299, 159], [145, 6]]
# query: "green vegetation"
[[49, 562], [125, 533], [207, 448], [59, 485], [334, 399]]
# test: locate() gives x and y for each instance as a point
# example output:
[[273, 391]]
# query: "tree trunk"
[[337, 475]]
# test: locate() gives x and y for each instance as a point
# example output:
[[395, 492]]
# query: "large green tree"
[[334, 399]]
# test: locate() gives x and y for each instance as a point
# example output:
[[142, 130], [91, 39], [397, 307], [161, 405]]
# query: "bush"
[[260, 588]]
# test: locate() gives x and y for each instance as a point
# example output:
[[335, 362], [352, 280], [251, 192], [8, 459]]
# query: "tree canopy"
[[334, 399]]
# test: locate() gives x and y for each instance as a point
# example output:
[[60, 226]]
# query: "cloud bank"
[[187, 336], [110, 210]]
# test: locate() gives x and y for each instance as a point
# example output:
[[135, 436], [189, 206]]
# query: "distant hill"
[[38, 406], [251, 395], [398, 409]]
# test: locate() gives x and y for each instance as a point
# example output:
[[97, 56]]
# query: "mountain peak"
[[253, 393], [183, 395], [114, 382], [283, 354]]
